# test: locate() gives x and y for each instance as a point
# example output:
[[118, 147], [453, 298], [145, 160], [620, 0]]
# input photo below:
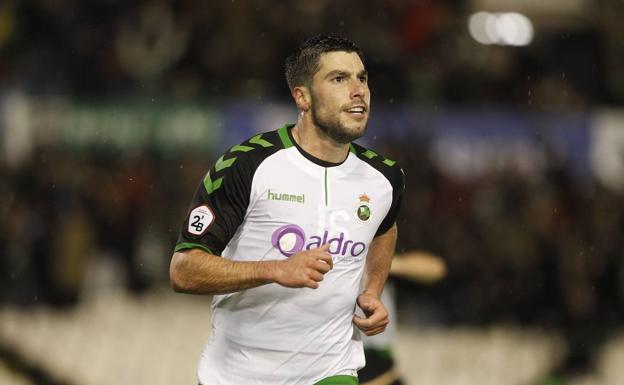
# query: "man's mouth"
[[357, 110]]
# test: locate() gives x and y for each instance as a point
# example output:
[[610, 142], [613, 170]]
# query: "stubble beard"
[[332, 127]]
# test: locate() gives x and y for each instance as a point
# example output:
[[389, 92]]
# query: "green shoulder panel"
[[251, 152], [284, 137], [371, 157]]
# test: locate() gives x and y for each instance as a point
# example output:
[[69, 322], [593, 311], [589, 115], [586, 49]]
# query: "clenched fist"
[[376, 315], [305, 268]]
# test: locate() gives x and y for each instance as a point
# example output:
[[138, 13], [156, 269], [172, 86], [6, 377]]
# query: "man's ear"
[[302, 97]]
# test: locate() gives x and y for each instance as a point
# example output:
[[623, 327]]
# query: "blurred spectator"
[[235, 49]]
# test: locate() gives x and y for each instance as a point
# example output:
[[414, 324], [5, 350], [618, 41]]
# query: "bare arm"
[[378, 261], [195, 271]]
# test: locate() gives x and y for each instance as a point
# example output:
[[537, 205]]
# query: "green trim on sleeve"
[[370, 154], [212, 185], [258, 140], [339, 380], [190, 245], [283, 134], [222, 164], [241, 148]]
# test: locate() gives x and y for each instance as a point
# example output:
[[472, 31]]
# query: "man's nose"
[[358, 88]]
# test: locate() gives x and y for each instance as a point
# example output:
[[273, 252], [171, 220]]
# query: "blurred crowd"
[[65, 211], [416, 50], [544, 249]]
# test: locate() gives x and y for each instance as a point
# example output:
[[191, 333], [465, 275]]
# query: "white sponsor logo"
[[199, 220]]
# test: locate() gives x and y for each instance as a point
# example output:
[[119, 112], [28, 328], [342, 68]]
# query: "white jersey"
[[267, 199]]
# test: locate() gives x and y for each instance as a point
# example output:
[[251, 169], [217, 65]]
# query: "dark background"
[[112, 111]]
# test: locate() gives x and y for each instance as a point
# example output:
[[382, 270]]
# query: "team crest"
[[363, 211]]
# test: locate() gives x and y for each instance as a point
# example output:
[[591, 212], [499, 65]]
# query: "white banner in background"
[[468, 157], [607, 148], [16, 133]]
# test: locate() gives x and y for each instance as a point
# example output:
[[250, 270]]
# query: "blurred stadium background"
[[507, 116]]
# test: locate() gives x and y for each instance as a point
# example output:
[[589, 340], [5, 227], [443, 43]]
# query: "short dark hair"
[[302, 64]]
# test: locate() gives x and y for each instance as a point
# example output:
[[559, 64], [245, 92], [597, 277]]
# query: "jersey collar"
[[308, 156]]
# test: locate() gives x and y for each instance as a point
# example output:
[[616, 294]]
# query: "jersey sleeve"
[[397, 179], [221, 201], [217, 208]]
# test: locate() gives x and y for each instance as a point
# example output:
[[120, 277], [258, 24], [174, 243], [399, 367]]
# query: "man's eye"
[[363, 79], [339, 79]]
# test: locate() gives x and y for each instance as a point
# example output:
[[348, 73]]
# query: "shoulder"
[[386, 166], [254, 150], [243, 158]]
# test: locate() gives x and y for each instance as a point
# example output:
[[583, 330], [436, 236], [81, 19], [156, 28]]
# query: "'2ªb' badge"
[[199, 220]]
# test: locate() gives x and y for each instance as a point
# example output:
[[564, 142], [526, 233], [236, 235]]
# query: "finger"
[[362, 323], [375, 331], [322, 267], [365, 303], [315, 275], [370, 323], [372, 306], [311, 284], [378, 318], [324, 247], [327, 258]]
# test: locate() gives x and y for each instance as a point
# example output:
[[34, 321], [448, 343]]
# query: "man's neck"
[[316, 143]]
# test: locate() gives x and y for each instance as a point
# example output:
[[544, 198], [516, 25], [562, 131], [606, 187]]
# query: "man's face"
[[340, 96]]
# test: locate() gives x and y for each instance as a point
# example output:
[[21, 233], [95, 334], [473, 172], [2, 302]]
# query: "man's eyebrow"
[[335, 73]]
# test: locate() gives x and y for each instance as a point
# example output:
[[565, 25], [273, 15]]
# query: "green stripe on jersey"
[[212, 185], [339, 380], [389, 162], [240, 147], [369, 154], [325, 186], [190, 245], [258, 140], [221, 164], [283, 134]]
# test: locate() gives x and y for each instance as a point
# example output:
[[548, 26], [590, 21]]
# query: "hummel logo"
[[286, 197]]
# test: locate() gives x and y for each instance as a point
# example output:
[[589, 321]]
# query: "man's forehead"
[[340, 61]]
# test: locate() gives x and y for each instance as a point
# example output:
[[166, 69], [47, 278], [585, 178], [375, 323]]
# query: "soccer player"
[[291, 231]]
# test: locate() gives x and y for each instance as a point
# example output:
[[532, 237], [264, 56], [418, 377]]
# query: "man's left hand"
[[376, 315]]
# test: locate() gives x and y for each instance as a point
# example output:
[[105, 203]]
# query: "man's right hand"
[[305, 268]]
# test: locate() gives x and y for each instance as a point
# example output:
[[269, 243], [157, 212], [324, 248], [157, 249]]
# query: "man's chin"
[[344, 132], [355, 131]]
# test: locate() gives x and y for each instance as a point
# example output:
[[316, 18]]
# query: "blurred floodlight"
[[491, 30], [509, 28], [477, 25], [523, 29]]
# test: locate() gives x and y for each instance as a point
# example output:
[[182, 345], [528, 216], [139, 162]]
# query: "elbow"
[[177, 277], [177, 284]]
